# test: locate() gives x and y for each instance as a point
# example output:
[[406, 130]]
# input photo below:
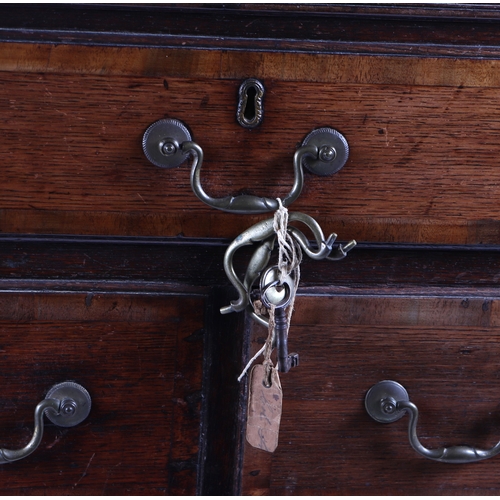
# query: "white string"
[[290, 253], [249, 364], [267, 347]]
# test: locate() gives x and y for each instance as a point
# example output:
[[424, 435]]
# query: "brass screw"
[[388, 406], [327, 153], [168, 148], [68, 407]]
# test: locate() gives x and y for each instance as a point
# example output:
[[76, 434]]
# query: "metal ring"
[[263, 231], [333, 151], [283, 302], [270, 279], [387, 401]]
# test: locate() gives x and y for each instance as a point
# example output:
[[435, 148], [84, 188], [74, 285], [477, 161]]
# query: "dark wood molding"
[[183, 265], [416, 30], [227, 340]]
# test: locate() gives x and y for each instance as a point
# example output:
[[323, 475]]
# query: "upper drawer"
[[422, 134]]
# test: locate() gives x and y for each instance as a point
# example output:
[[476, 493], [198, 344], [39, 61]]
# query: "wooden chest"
[[112, 270]]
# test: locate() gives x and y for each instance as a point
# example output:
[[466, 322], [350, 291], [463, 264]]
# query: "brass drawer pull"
[[66, 404], [388, 401], [167, 143], [244, 203]]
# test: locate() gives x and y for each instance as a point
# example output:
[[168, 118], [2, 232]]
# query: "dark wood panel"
[[422, 166], [226, 339], [48, 317], [443, 350], [145, 379], [175, 265]]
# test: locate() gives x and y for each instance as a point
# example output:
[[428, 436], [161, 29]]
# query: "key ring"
[[264, 288]]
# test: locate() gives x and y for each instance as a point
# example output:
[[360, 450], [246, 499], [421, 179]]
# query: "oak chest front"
[[112, 269]]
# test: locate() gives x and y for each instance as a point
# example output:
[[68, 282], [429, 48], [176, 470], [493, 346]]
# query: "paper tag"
[[264, 410]]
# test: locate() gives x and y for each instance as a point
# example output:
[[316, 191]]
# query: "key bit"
[[293, 360], [285, 360]]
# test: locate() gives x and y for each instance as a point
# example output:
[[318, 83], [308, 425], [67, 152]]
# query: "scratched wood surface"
[[422, 166], [319, 66], [443, 349], [140, 359]]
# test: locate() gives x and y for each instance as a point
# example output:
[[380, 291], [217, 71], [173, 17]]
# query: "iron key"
[[279, 296]]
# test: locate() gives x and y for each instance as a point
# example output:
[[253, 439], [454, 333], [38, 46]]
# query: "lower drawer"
[[140, 358], [441, 345]]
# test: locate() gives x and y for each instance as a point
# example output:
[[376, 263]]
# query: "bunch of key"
[[268, 293]]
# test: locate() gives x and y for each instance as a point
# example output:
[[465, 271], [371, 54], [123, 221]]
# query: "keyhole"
[[250, 103], [249, 112]]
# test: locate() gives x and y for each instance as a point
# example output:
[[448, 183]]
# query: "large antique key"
[[272, 293]]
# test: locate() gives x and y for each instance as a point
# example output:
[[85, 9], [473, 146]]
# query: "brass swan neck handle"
[[66, 404], [167, 143], [246, 204], [388, 401]]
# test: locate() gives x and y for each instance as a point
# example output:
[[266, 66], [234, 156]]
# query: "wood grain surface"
[[135, 357], [183, 62], [442, 349], [422, 164]]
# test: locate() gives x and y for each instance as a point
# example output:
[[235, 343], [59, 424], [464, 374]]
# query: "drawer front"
[[139, 357], [442, 349], [423, 152]]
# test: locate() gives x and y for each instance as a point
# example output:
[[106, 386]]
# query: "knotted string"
[[289, 253], [268, 348]]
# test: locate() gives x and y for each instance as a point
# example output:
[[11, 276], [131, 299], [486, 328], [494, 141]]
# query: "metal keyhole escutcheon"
[[250, 111]]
